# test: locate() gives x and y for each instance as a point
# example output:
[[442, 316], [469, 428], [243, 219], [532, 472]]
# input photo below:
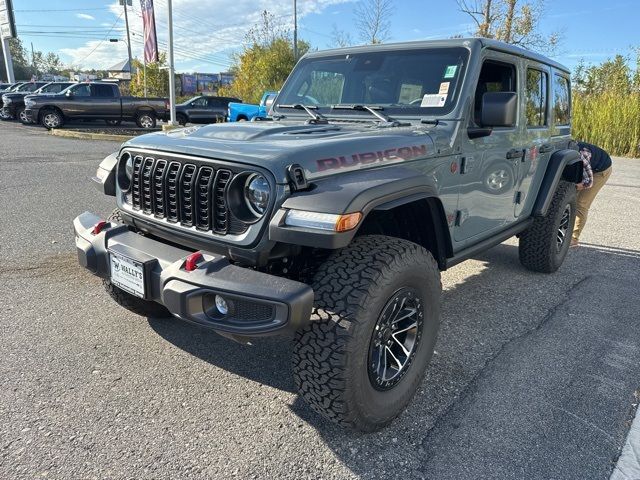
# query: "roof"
[[454, 42], [120, 67]]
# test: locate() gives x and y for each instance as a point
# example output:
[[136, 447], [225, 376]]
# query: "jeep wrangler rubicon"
[[379, 167]]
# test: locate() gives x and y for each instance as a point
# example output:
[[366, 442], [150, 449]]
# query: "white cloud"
[[204, 32], [85, 16]]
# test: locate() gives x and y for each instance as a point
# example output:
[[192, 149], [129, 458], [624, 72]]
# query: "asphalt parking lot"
[[535, 376]]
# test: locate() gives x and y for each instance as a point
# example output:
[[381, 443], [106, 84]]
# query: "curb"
[[628, 465], [90, 136]]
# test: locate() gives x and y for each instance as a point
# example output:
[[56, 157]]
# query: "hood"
[[320, 149], [15, 95]]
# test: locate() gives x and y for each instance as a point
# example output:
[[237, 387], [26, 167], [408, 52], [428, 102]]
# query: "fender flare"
[[563, 165], [357, 191], [105, 179]]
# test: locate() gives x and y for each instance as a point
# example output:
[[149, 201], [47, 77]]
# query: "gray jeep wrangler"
[[379, 167]]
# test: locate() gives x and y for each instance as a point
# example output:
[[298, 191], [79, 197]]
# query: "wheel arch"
[[563, 165], [49, 108]]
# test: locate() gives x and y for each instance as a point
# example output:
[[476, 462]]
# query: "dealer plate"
[[127, 274]]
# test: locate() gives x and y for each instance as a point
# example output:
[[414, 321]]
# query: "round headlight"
[[128, 168], [257, 192], [125, 171]]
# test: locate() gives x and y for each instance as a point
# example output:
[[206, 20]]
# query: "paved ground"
[[535, 376]]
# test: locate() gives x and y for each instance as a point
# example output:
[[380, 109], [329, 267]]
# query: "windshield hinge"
[[297, 177]]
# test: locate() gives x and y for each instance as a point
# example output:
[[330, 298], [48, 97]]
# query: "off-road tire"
[[538, 248], [134, 304], [331, 354]]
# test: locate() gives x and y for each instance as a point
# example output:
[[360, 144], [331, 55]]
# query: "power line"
[[65, 10], [103, 40]]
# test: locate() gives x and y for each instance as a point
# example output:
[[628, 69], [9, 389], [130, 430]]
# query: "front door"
[[490, 166]]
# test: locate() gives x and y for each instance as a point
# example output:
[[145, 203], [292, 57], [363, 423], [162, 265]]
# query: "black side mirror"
[[499, 109]]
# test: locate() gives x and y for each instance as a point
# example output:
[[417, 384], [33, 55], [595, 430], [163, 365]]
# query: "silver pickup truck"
[[88, 101], [380, 167]]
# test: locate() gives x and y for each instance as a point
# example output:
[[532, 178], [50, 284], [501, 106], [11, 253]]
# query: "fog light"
[[221, 305]]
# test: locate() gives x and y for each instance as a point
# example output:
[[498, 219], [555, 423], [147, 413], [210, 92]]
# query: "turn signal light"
[[348, 222], [192, 261], [98, 227]]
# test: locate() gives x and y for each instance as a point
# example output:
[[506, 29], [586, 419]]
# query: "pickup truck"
[[203, 109], [8, 111], [13, 102], [243, 112], [379, 167], [95, 101]]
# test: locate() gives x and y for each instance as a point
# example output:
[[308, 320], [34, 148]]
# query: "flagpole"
[[144, 74], [172, 80]]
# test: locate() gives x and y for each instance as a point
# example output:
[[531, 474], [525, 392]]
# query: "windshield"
[[404, 82]]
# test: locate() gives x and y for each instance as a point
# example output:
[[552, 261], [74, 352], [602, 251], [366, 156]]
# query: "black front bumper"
[[260, 304]]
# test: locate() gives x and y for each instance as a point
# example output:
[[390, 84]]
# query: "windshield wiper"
[[373, 110], [316, 118]]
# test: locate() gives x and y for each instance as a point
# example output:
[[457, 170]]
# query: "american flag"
[[149, 26]]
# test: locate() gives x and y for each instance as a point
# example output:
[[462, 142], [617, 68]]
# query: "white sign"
[[127, 274]]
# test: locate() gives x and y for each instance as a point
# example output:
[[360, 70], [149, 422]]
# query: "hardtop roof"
[[454, 42]]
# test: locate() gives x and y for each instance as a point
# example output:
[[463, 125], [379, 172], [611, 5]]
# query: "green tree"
[[265, 63], [157, 78]]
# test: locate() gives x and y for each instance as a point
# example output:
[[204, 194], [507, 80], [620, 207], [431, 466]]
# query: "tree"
[[340, 38], [511, 21], [373, 20], [157, 78], [265, 63]]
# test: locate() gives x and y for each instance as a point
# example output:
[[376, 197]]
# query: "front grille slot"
[[184, 193]]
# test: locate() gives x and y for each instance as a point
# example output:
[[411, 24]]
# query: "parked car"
[[381, 166], [203, 109], [95, 101], [9, 109], [243, 112], [13, 102]]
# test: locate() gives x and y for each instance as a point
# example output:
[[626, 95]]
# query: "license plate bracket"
[[128, 274]]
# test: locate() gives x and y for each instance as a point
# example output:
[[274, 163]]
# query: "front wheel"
[[146, 120], [51, 119], [544, 245], [182, 119], [372, 333]]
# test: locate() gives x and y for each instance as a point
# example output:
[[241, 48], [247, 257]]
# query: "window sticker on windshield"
[[450, 72], [433, 100], [444, 88]]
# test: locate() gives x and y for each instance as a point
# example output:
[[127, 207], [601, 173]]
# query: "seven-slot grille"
[[193, 196]]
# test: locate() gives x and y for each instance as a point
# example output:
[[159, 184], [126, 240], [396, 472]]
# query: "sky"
[[207, 32]]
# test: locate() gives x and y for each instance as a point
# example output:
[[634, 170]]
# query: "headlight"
[[125, 171], [257, 192], [29, 103]]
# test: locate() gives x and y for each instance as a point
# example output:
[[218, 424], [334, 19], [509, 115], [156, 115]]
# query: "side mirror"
[[499, 109], [69, 94]]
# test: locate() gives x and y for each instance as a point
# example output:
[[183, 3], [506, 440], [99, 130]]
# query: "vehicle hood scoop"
[[243, 132]]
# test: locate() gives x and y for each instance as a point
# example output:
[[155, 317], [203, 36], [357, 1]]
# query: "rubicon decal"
[[402, 153]]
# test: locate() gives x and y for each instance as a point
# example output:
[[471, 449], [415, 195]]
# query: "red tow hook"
[[98, 227], [192, 261]]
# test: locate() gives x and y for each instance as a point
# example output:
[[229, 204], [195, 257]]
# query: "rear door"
[[217, 109], [106, 104], [198, 109], [537, 131]]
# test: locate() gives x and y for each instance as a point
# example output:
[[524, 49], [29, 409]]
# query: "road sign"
[[7, 22]]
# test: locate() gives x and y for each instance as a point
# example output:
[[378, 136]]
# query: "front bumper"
[[9, 111], [261, 304]]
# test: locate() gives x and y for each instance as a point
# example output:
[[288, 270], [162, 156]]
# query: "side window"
[[200, 102], [494, 77], [561, 101], [536, 102], [82, 91], [103, 91], [215, 103]]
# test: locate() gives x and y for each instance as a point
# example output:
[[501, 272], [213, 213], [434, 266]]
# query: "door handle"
[[515, 153], [546, 148]]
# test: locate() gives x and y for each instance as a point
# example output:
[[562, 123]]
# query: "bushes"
[[610, 120]]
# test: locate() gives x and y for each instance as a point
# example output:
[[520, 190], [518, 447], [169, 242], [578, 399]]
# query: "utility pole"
[[172, 78], [33, 61], [124, 3], [295, 30]]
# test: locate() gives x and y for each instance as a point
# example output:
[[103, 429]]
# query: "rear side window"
[[103, 91], [536, 107], [82, 91], [216, 102], [561, 100]]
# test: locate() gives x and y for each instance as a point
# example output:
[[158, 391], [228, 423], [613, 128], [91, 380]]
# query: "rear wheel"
[[182, 119], [51, 119], [146, 120], [544, 245], [372, 332]]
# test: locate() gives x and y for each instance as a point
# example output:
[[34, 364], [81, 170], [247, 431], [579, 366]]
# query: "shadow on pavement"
[[482, 313]]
